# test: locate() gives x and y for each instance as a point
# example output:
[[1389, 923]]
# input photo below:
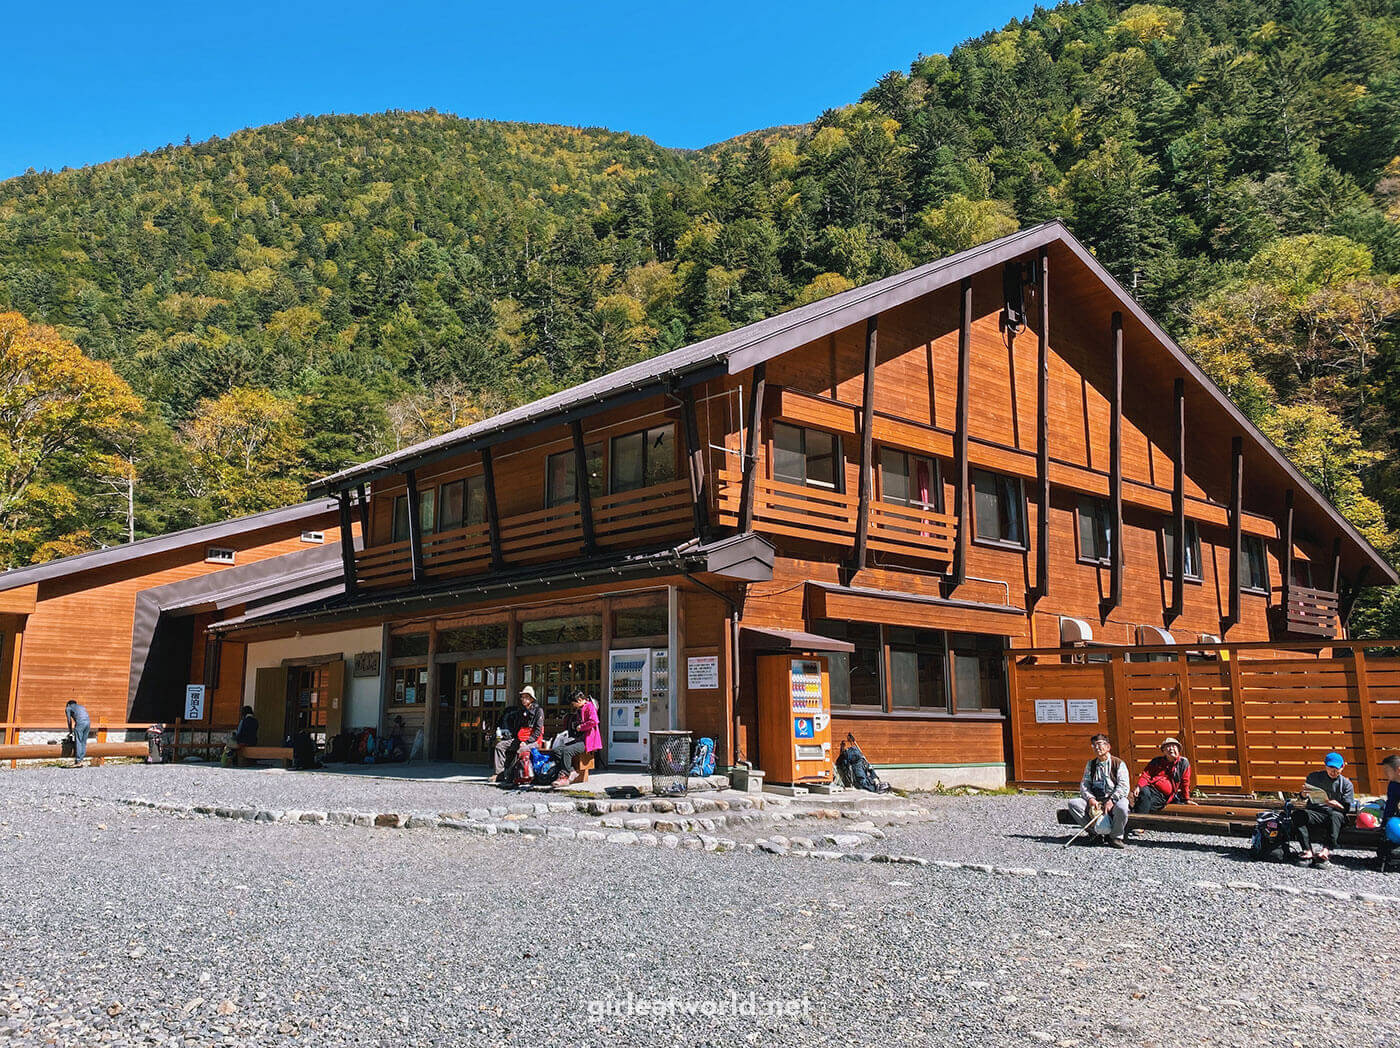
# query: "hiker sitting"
[[246, 734], [397, 747], [520, 728], [1165, 780], [1329, 796], [580, 736], [1103, 789], [1390, 814]]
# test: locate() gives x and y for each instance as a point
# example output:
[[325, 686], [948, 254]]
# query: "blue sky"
[[84, 82]]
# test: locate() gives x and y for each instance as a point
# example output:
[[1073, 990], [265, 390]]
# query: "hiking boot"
[[1322, 862], [1117, 842]]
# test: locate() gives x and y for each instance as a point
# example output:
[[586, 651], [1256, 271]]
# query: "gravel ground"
[[205, 931]]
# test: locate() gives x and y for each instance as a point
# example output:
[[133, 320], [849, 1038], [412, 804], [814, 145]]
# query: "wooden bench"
[[262, 753], [53, 751], [584, 766], [1227, 819]]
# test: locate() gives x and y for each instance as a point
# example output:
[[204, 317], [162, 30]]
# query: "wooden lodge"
[[996, 451]]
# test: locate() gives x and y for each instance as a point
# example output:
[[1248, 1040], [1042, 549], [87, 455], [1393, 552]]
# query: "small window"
[[399, 532], [640, 460], [1254, 572], [910, 480], [917, 669], [427, 511], [427, 503], [999, 509], [1193, 549], [462, 503], [1095, 530], [809, 457], [313, 537], [979, 674], [1302, 573], [560, 487], [219, 555]]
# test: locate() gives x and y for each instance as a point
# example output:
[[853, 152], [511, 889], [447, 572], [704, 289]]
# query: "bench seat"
[[1225, 820], [263, 753]]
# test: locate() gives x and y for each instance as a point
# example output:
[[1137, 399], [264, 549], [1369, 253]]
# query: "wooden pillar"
[[581, 487], [493, 512], [1236, 524], [1370, 756], [695, 457], [1122, 711], [1013, 703], [1178, 565], [1237, 712], [751, 442], [605, 649], [431, 699], [1287, 547], [415, 527], [1183, 706], [1115, 469], [1336, 564], [1042, 434], [960, 445], [347, 544], [867, 445], [363, 499]]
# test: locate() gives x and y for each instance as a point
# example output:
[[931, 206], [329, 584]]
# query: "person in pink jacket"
[[580, 736]]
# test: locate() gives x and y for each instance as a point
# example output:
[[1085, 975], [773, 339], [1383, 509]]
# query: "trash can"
[[670, 762]]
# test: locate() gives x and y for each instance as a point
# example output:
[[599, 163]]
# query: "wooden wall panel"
[[921, 740]]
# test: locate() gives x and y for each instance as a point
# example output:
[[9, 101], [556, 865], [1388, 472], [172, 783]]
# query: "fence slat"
[[1368, 728]]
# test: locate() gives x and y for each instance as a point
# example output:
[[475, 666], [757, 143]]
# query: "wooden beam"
[[493, 512], [960, 437], [751, 442], [1042, 434], [1237, 713], [1287, 546], [1115, 469], [347, 543], [415, 527], [1370, 757], [1179, 504], [695, 458], [1122, 710], [867, 444], [1236, 536], [581, 487], [1336, 564], [1183, 704]]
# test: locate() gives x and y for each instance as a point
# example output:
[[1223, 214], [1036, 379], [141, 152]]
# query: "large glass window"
[[469, 639], [910, 480], [979, 673], [1193, 549], [569, 629], [410, 645], [462, 503], [1095, 530], [999, 508], [640, 622], [806, 456], [400, 528], [427, 503], [560, 485], [855, 676], [917, 678], [1254, 571], [639, 460]]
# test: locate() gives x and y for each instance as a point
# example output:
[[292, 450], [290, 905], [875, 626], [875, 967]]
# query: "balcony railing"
[[627, 518], [1312, 612], [820, 515]]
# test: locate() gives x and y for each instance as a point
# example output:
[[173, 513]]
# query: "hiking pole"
[[1080, 832]]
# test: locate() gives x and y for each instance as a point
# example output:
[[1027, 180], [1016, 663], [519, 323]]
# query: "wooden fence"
[[1247, 724]]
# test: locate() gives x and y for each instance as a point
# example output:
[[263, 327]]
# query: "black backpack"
[[304, 751], [855, 770], [1271, 833]]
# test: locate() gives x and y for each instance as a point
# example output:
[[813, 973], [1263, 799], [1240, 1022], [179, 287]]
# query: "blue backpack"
[[544, 765], [703, 763]]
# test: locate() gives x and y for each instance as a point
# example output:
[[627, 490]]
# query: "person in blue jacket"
[[79, 724]]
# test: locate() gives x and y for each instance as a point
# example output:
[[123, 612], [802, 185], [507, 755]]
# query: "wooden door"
[[270, 704], [481, 696], [335, 698]]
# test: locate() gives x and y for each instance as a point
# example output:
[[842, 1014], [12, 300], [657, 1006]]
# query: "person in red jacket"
[[1165, 780]]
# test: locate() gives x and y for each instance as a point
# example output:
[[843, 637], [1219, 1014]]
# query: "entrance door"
[[629, 706], [481, 696]]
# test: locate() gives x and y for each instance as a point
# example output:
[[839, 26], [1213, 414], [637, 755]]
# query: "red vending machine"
[[794, 719]]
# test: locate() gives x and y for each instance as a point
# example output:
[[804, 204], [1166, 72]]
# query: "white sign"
[[1049, 711], [1083, 711], [194, 702], [702, 672]]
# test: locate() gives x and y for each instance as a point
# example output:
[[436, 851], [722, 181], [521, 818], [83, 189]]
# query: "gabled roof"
[[157, 544], [740, 349]]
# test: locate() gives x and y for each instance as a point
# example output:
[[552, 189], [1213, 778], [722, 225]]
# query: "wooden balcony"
[[1309, 612], [629, 518], [820, 515]]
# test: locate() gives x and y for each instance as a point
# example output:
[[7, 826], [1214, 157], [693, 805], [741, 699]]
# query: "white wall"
[[361, 693]]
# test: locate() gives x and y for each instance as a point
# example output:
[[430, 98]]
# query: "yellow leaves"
[[244, 451], [962, 223], [299, 323], [1148, 23], [823, 286], [253, 255], [827, 141], [182, 305], [333, 232]]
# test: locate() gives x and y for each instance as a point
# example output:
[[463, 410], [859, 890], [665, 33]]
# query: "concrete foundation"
[[929, 777]]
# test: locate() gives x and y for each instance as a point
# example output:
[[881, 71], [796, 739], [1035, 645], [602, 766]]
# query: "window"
[[640, 622], [1095, 530], [313, 537], [1193, 549], [219, 555], [427, 511], [917, 669], [409, 685], [910, 480], [400, 528], [467, 639], [639, 460], [855, 676], [998, 508], [806, 456], [979, 680], [427, 503], [560, 486], [409, 645], [462, 503], [1254, 572], [567, 630], [1302, 573]]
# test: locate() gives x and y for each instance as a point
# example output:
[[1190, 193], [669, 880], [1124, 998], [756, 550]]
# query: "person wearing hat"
[[520, 728], [1165, 780], [1329, 795], [1103, 790]]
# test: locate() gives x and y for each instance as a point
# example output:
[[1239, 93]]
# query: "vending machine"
[[629, 705], [794, 719]]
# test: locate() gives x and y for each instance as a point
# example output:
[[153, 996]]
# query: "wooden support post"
[[1287, 547], [695, 456], [347, 544], [493, 512], [431, 700], [581, 487], [1115, 469], [605, 650], [1236, 523], [101, 737], [1122, 710], [1178, 565], [415, 527], [960, 446], [1336, 564], [867, 445], [363, 499], [1370, 757], [1013, 707], [1241, 732], [1042, 434], [1183, 706], [751, 443]]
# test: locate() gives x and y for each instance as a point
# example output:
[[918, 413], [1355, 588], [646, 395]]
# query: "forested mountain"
[[296, 297]]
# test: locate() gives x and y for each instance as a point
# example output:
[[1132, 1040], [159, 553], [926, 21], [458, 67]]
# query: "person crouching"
[[1103, 790]]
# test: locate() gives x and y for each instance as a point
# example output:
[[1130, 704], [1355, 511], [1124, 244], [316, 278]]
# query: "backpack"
[[855, 770], [1271, 832], [544, 765], [704, 761], [304, 751]]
